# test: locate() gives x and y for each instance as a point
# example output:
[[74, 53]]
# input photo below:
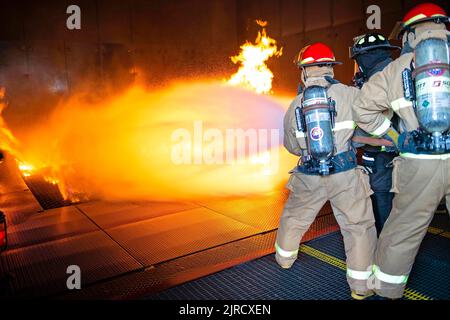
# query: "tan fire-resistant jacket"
[[294, 140], [384, 91]]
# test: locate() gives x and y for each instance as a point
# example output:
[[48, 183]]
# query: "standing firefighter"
[[372, 53], [416, 87], [318, 127]]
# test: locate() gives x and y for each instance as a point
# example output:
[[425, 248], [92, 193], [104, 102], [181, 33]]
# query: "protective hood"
[[315, 76], [373, 61]]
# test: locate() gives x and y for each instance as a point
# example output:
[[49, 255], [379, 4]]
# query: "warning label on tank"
[[317, 116], [433, 85], [316, 133]]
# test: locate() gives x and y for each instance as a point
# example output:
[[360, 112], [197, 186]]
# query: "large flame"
[[181, 142], [192, 139], [253, 72]]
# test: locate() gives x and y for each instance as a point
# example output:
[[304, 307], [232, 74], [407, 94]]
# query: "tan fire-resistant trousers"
[[419, 185], [349, 194]]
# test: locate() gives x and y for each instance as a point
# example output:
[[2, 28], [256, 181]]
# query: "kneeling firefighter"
[[372, 53], [416, 86], [318, 127]]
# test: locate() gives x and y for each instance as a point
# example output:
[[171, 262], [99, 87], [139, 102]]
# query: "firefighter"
[[372, 53], [318, 128], [416, 87]]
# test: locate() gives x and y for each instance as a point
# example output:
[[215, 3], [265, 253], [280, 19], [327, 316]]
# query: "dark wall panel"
[[292, 17], [317, 14], [287, 75], [11, 21], [345, 11], [41, 61], [43, 20], [47, 64], [145, 21], [114, 20], [248, 11], [35, 80], [14, 76]]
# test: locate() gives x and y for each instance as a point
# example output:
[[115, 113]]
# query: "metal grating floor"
[[193, 266], [262, 279], [245, 210], [143, 247], [109, 214], [441, 221], [160, 239], [40, 270], [47, 194], [430, 277], [127, 249], [431, 272], [54, 224], [18, 206]]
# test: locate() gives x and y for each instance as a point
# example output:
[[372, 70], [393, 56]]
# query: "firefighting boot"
[[284, 262], [361, 296]]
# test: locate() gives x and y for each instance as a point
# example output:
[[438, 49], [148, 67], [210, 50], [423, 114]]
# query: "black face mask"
[[373, 61]]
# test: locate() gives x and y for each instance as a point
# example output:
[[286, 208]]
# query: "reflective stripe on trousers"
[[284, 253], [359, 275], [389, 278], [355, 274]]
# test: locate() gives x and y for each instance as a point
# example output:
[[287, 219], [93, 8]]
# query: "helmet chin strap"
[[304, 75]]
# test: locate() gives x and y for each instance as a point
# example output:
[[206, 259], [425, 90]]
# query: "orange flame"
[[123, 147], [26, 168], [127, 146], [253, 72]]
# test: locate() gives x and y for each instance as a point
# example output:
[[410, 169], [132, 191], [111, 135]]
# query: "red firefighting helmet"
[[314, 55], [420, 13]]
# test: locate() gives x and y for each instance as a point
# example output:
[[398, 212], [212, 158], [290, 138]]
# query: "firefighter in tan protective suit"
[[416, 87], [318, 127]]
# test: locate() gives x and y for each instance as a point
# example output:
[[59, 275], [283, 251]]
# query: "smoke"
[[172, 143]]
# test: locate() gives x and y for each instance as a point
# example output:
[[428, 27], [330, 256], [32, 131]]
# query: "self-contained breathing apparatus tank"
[[428, 88], [315, 118]]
